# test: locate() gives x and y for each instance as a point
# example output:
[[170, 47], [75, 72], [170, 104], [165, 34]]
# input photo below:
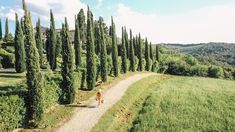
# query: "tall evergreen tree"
[[114, 49], [22, 24], [123, 52], [151, 51], [103, 52], [19, 48], [68, 89], [0, 29], [39, 42], [132, 54], [77, 45], [127, 44], [134, 45], [90, 59], [34, 76], [58, 44], [52, 43], [82, 26], [140, 65], [97, 36], [6, 30], [48, 44], [146, 54], [157, 53]]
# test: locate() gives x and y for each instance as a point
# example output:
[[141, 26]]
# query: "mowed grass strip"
[[120, 116], [189, 104]]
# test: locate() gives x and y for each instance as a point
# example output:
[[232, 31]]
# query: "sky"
[[161, 21]]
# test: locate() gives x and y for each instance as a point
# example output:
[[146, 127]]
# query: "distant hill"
[[222, 52]]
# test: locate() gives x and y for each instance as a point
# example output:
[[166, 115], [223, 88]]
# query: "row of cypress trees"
[[29, 55]]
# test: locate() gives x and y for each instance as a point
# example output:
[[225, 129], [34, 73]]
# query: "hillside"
[[222, 52], [173, 103]]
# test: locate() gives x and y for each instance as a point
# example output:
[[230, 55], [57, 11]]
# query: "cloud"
[[209, 24], [41, 9]]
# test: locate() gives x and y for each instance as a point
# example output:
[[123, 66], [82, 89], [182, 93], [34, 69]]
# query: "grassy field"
[[173, 103]]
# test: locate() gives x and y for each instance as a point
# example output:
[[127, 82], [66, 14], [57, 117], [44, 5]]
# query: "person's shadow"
[[81, 106]]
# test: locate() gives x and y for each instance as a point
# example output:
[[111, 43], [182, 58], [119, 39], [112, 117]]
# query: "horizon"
[[178, 21]]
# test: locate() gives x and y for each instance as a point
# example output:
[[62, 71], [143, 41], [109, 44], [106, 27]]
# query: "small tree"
[[147, 66], [34, 76], [114, 49], [90, 59], [123, 52], [19, 48], [39, 42], [103, 52], [140, 66], [132, 54], [67, 67]]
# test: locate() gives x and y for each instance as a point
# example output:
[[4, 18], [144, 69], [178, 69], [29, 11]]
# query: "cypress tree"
[[140, 65], [39, 42], [82, 27], [19, 48], [103, 52], [77, 45], [127, 44], [58, 44], [34, 76], [157, 53], [151, 51], [134, 45], [52, 43], [68, 89], [6, 30], [48, 44], [90, 59], [114, 50], [123, 52], [0, 29], [97, 36], [22, 24], [146, 54], [132, 54]]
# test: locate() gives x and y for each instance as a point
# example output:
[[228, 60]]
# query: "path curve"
[[85, 118]]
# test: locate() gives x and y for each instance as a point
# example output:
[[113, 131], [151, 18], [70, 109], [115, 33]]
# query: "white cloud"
[[61, 9], [210, 24]]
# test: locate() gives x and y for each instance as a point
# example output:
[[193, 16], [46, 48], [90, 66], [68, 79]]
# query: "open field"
[[173, 103]]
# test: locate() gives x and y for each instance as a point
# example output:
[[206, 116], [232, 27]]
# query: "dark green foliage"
[[157, 53], [191, 60], [103, 53], [132, 54], [77, 45], [140, 65], [146, 55], [127, 43], [123, 52], [47, 44], [34, 76], [67, 85], [151, 52], [52, 43], [199, 70], [19, 48], [97, 35], [82, 27], [90, 59], [83, 79], [58, 45], [114, 49], [153, 67], [39, 42], [7, 59], [215, 72], [0, 29]]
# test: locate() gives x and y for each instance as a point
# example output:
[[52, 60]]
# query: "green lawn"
[[173, 103]]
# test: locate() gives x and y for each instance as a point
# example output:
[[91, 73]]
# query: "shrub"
[[199, 70], [8, 59], [178, 68], [191, 60], [215, 72]]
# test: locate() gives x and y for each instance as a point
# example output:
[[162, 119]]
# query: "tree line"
[[93, 40]]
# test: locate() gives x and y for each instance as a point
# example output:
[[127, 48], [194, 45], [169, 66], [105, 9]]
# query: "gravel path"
[[86, 117]]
